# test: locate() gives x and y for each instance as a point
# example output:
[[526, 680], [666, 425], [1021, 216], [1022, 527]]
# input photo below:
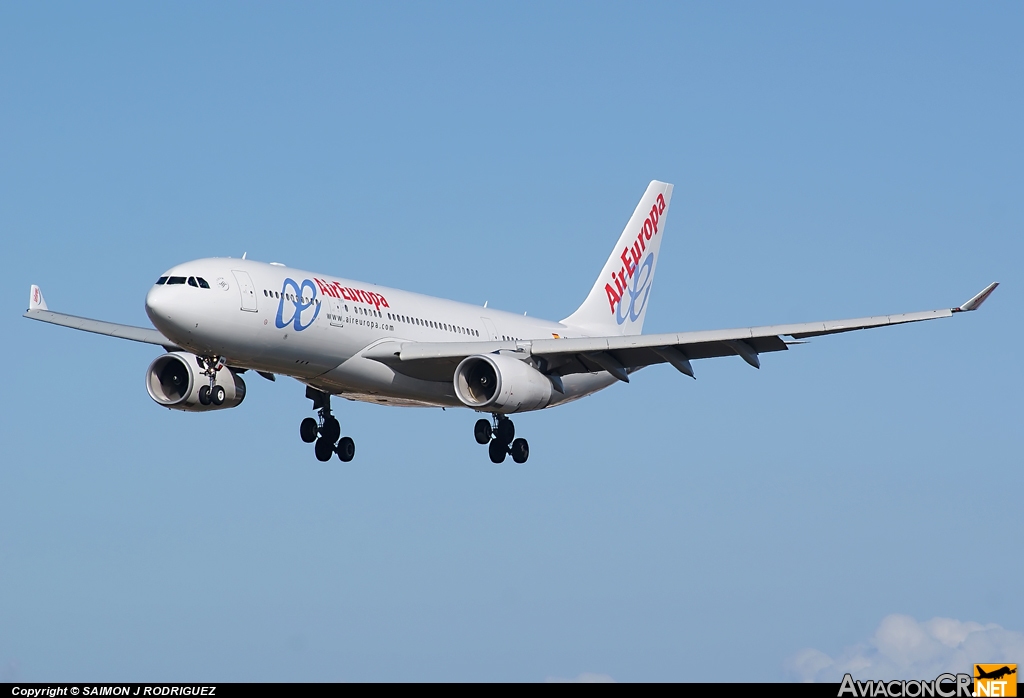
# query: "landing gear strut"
[[500, 439], [326, 431], [211, 393]]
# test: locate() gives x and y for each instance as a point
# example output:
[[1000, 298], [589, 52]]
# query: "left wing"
[[37, 310], [621, 355]]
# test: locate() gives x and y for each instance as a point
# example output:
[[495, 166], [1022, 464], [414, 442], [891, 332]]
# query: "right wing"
[[37, 310], [619, 355]]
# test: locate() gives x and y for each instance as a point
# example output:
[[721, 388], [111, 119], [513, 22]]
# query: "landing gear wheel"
[[482, 431], [307, 430], [217, 395], [331, 429], [497, 451], [204, 395], [346, 449], [520, 450], [505, 432], [324, 450]]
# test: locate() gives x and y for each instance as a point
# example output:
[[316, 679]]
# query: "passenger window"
[[161, 281], [176, 280]]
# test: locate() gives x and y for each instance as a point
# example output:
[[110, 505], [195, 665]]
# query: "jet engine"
[[174, 381], [496, 383]]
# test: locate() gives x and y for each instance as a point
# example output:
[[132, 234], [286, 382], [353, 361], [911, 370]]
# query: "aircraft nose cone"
[[155, 304], [159, 309]]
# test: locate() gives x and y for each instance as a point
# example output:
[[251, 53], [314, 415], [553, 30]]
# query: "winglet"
[[35, 299], [976, 302]]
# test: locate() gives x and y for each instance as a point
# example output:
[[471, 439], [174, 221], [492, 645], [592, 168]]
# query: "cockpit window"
[[175, 280], [202, 282], [161, 281], [192, 282]]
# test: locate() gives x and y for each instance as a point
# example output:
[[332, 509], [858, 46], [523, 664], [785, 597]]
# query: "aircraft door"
[[489, 326], [247, 290]]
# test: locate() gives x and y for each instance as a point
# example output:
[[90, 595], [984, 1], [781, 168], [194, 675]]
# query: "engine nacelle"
[[496, 383], [174, 379]]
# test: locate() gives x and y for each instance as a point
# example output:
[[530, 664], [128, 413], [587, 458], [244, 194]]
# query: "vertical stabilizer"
[[617, 303]]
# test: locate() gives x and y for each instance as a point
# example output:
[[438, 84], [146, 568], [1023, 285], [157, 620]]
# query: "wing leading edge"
[[619, 355]]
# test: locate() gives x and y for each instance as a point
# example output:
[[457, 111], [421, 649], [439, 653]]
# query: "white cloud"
[[903, 648], [582, 678]]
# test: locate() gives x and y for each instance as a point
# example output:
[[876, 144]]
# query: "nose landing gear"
[[500, 439], [212, 393], [325, 433]]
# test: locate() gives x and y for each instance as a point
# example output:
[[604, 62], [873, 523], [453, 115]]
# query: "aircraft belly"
[[372, 381]]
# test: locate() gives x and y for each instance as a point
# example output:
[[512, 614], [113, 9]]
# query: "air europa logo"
[[638, 292], [293, 296], [356, 295], [632, 269]]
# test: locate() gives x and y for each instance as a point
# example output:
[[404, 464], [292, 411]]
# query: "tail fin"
[[617, 303]]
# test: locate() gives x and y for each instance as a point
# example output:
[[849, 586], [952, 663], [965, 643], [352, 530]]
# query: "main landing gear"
[[324, 434], [500, 439]]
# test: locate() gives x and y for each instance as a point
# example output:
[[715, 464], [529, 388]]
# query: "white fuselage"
[[315, 328]]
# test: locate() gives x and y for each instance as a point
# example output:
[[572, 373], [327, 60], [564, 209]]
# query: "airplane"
[[996, 674], [220, 317]]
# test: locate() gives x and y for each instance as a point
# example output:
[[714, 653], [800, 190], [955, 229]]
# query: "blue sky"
[[829, 161]]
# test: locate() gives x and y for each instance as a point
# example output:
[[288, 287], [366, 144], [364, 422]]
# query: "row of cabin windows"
[[376, 313], [316, 301], [195, 281], [507, 338], [291, 297], [457, 329]]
